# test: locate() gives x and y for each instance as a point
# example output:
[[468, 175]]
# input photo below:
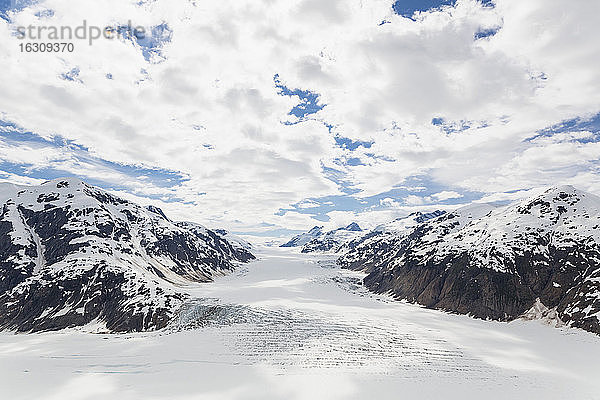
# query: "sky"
[[269, 117]]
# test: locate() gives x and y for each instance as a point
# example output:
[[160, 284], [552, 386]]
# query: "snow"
[[560, 217], [7, 191], [305, 237], [544, 314], [403, 225], [235, 240], [332, 241], [40, 262], [92, 213], [295, 326]]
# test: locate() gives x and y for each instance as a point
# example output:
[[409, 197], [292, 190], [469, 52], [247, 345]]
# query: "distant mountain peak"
[[66, 182], [422, 217], [559, 200], [303, 238], [316, 229], [564, 188], [353, 227]]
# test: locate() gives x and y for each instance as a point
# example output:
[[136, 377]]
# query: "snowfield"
[[295, 326]]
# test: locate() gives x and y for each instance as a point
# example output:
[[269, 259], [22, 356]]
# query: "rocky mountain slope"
[[72, 254], [496, 262]]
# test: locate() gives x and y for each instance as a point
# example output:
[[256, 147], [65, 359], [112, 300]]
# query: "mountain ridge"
[[494, 262], [71, 254]]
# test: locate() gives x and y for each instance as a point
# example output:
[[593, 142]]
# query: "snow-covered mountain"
[[496, 262], [344, 238], [235, 240], [305, 237], [333, 240], [392, 229], [404, 223], [72, 254]]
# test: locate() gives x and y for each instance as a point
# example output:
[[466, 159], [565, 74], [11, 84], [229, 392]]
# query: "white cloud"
[[308, 204], [389, 202], [446, 195], [19, 180], [413, 200], [382, 84]]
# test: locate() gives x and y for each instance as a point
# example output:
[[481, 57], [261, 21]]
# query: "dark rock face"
[[72, 254], [495, 263], [62, 299], [422, 217], [320, 245], [16, 259]]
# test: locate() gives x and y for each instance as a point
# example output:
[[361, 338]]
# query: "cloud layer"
[[262, 115]]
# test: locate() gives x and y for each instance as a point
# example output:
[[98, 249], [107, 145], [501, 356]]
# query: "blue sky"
[[271, 117], [76, 160], [12, 5], [407, 8], [414, 187], [589, 124], [308, 102]]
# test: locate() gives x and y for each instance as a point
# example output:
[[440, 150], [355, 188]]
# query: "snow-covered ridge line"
[[342, 239], [333, 240], [496, 262], [317, 240], [72, 254]]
